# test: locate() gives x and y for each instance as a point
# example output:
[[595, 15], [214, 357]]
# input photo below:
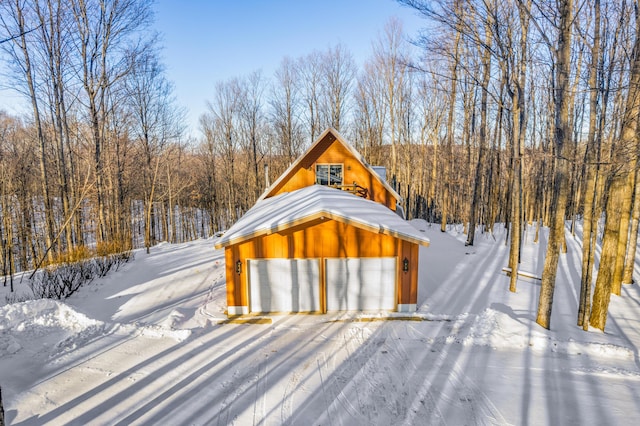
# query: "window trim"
[[328, 165]]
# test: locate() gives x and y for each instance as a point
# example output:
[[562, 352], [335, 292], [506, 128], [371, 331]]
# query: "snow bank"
[[26, 323], [498, 330], [39, 317], [154, 331], [36, 324]]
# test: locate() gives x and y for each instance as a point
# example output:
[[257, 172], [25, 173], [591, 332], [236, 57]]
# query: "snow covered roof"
[[348, 146], [314, 202]]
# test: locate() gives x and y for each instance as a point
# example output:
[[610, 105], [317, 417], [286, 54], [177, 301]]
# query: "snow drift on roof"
[[285, 210]]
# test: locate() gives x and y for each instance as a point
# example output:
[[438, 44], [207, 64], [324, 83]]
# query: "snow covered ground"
[[149, 345]]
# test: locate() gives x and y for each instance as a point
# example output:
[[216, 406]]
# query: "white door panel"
[[361, 284], [284, 285]]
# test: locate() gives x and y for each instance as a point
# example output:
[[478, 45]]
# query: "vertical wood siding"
[[322, 239], [329, 150]]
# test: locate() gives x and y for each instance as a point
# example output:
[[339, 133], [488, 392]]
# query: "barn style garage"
[[322, 248]]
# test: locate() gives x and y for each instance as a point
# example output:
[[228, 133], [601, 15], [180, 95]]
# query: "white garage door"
[[284, 285], [361, 284]]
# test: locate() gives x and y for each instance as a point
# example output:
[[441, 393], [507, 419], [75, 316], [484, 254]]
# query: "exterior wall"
[[322, 239], [329, 150]]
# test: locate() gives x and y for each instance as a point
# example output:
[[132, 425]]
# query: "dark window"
[[329, 174]]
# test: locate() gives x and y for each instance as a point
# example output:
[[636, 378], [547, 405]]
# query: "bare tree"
[[592, 152], [391, 66], [104, 30], [15, 22], [562, 57], [337, 74], [223, 118], [482, 136], [614, 207], [629, 263], [252, 124], [155, 122], [310, 69], [370, 114], [285, 109], [208, 156]]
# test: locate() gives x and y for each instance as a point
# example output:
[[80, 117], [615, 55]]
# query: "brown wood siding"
[[234, 289], [331, 151], [408, 288], [322, 239]]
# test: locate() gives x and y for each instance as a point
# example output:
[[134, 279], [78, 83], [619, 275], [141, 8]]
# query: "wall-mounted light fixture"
[[405, 265], [238, 267]]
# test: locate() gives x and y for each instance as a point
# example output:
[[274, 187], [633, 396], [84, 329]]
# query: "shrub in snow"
[[102, 265], [61, 281], [16, 298]]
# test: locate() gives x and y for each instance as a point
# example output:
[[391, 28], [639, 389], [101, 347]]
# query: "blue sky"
[[207, 41], [210, 41]]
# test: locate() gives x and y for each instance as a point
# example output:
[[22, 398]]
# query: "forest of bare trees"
[[523, 112]]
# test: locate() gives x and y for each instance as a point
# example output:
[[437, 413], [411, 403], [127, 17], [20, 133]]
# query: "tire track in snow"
[[320, 361], [478, 407], [242, 380], [333, 386], [225, 411], [352, 365], [286, 408], [180, 302], [424, 396], [488, 410], [259, 402]]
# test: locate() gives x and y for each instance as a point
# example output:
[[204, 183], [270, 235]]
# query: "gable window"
[[329, 174]]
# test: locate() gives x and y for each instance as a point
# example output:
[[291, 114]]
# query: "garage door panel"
[[361, 283], [284, 285]]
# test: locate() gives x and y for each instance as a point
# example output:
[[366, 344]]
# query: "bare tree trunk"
[[149, 209], [592, 172], [516, 189], [28, 72], [431, 197], [629, 263], [482, 142], [494, 164], [52, 22], [625, 220], [170, 207], [6, 239], [562, 138], [519, 130], [614, 211], [446, 175], [602, 291]]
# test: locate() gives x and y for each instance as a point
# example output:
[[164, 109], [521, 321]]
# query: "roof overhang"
[[312, 205]]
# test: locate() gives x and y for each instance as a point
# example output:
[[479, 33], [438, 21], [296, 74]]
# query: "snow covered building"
[[325, 236]]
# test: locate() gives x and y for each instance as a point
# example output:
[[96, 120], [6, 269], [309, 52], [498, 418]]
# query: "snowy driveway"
[[153, 350]]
